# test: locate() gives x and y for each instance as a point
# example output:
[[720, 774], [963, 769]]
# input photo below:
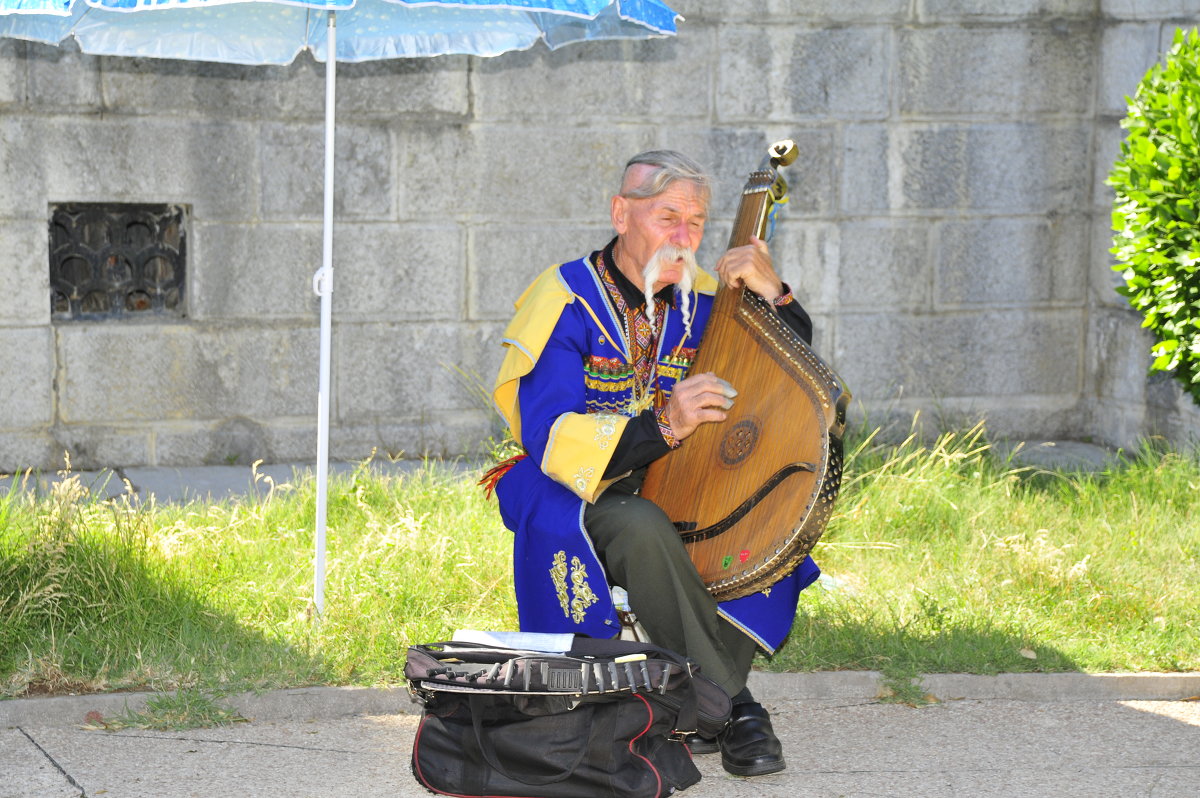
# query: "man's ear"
[[620, 212]]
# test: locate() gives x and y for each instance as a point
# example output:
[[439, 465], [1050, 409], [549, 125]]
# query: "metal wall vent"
[[117, 260]]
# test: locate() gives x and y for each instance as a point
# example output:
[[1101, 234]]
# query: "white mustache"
[[669, 253]]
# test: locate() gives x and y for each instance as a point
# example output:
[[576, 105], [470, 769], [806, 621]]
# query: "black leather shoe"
[[699, 744], [749, 746]]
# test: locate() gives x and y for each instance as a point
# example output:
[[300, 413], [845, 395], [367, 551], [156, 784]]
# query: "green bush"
[[1157, 182]]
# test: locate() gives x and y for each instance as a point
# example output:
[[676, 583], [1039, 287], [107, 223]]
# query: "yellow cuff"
[[579, 450]]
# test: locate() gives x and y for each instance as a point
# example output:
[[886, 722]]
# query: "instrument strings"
[[750, 221]]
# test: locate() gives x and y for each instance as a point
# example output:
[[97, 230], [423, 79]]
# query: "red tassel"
[[493, 475]]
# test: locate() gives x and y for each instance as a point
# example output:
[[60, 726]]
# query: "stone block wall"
[[947, 227]]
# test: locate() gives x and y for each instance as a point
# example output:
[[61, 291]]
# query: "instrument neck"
[[751, 222]]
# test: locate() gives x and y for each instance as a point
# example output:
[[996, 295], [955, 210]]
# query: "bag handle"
[[489, 751], [685, 702]]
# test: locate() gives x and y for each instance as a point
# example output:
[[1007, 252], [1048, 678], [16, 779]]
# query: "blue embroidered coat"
[[567, 390]]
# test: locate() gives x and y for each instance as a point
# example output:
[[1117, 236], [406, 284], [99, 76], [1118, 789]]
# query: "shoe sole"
[[753, 770]]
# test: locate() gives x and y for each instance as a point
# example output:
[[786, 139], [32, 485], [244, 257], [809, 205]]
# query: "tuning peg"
[[783, 153]]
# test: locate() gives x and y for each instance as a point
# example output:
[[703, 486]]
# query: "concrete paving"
[[198, 483], [1017, 734], [1061, 455]]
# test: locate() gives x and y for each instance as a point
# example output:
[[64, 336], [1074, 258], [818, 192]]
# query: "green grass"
[[105, 595], [184, 709], [947, 559], [940, 557]]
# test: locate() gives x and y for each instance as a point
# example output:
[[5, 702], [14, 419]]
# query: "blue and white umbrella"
[[275, 31]]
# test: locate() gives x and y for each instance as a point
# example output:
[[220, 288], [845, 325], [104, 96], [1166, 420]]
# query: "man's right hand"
[[699, 399]]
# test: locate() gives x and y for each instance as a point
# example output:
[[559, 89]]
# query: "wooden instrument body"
[[751, 495]]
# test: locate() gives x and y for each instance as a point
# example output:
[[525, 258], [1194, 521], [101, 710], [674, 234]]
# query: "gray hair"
[[667, 167]]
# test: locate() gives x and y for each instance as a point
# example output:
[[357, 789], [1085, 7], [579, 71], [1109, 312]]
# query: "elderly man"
[[594, 386]]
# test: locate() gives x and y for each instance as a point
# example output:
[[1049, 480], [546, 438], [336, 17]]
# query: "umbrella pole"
[[323, 285]]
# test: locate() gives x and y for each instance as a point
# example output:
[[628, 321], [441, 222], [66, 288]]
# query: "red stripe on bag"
[[649, 723], [416, 759]]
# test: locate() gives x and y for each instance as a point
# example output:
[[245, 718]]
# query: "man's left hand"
[[751, 266]]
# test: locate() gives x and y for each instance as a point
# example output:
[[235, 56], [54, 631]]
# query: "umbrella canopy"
[[275, 31]]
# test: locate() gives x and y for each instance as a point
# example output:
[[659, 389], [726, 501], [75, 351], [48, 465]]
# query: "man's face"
[[675, 217]]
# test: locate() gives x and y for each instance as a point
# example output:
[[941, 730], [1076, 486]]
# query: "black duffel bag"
[[607, 718]]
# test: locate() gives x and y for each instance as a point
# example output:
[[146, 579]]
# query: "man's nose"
[[681, 235]]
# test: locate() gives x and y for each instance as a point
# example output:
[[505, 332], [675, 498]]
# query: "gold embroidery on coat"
[[582, 477], [606, 428], [558, 575], [584, 597]]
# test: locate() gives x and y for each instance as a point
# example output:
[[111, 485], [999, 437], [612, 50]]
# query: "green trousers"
[[641, 551]]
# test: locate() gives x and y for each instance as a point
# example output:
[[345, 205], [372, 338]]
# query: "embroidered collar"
[[642, 337], [633, 297]]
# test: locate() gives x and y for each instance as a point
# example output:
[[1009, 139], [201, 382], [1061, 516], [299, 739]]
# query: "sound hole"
[[739, 442]]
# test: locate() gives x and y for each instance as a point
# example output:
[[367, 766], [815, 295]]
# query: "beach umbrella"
[[276, 31]]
